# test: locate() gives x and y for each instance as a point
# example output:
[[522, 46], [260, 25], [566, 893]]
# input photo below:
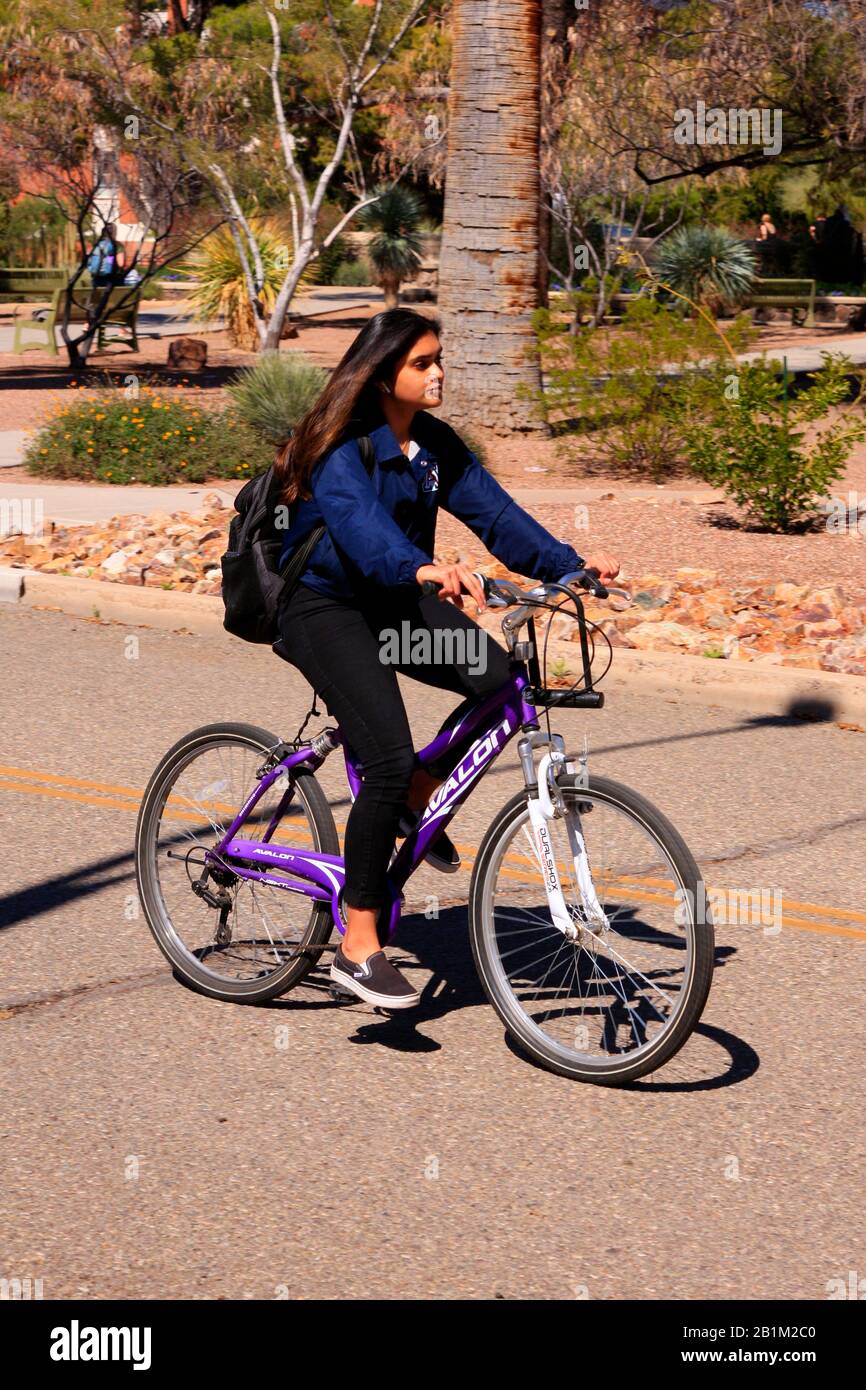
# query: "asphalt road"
[[159, 1144]]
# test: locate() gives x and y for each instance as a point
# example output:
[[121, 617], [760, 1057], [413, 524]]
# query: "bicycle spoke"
[[264, 922], [612, 990]]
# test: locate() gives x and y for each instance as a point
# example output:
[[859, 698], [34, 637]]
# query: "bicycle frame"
[[321, 876]]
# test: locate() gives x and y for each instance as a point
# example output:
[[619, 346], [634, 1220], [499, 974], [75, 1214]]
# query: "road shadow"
[[440, 947], [63, 890]]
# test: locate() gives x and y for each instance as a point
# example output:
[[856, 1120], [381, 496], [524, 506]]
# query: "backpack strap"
[[296, 563], [368, 454]]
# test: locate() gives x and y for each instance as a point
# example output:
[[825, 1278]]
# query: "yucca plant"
[[272, 396], [395, 250], [216, 265], [707, 264]]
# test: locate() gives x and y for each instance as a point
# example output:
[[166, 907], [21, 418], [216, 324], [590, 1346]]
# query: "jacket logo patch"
[[431, 478]]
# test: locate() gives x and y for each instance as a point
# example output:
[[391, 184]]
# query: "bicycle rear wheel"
[[188, 805], [619, 999]]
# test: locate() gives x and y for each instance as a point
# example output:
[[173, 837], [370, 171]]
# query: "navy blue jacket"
[[381, 526]]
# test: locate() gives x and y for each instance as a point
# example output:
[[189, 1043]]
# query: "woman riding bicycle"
[[363, 580]]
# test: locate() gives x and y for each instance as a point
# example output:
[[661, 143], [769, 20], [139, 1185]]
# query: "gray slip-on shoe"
[[374, 980]]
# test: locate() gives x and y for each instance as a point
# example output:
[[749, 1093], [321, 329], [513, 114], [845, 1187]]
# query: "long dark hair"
[[350, 396]]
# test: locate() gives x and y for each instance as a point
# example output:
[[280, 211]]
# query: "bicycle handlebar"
[[504, 593]]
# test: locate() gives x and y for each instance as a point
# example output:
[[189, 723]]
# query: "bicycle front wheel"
[[617, 994]]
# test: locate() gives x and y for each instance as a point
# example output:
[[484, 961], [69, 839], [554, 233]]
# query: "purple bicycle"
[[586, 915]]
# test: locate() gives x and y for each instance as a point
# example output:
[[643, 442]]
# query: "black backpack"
[[253, 584]]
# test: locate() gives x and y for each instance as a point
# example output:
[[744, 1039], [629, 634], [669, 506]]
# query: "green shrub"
[[744, 432], [705, 263], [153, 438], [151, 288], [325, 266], [610, 385], [357, 272], [272, 396]]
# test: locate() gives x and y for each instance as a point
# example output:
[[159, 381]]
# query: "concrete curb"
[[11, 585], [753, 689], [123, 603]]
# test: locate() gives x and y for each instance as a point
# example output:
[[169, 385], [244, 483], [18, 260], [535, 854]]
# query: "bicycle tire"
[[618, 1070], [320, 924]]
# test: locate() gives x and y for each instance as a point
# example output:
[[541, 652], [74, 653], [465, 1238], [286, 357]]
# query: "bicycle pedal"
[[341, 996]]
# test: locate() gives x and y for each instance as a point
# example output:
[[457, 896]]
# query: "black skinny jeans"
[[337, 645]]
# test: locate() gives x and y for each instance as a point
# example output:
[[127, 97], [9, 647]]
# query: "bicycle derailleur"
[[221, 899]]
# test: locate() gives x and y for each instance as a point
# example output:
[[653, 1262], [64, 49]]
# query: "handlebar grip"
[[595, 587], [432, 586]]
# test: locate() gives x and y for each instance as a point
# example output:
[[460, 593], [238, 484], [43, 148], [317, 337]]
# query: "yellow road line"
[[69, 781], [65, 795], [468, 852], [845, 912]]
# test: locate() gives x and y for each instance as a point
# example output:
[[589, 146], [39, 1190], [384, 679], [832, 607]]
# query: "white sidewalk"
[[12, 444], [79, 504]]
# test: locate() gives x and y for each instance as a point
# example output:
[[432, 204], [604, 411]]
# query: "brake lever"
[[498, 593], [588, 580]]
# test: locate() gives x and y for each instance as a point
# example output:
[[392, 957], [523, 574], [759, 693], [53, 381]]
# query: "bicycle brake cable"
[[311, 713]]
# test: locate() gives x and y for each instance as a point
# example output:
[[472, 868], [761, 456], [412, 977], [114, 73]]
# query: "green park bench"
[[27, 283], [24, 284], [796, 295], [122, 312]]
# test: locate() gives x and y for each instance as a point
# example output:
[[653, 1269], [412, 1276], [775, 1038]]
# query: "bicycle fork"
[[545, 803]]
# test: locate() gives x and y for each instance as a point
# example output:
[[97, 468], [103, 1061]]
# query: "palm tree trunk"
[[390, 284], [554, 26], [488, 269]]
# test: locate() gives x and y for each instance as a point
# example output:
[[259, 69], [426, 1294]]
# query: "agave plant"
[[221, 287], [707, 264], [395, 250], [272, 396]]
